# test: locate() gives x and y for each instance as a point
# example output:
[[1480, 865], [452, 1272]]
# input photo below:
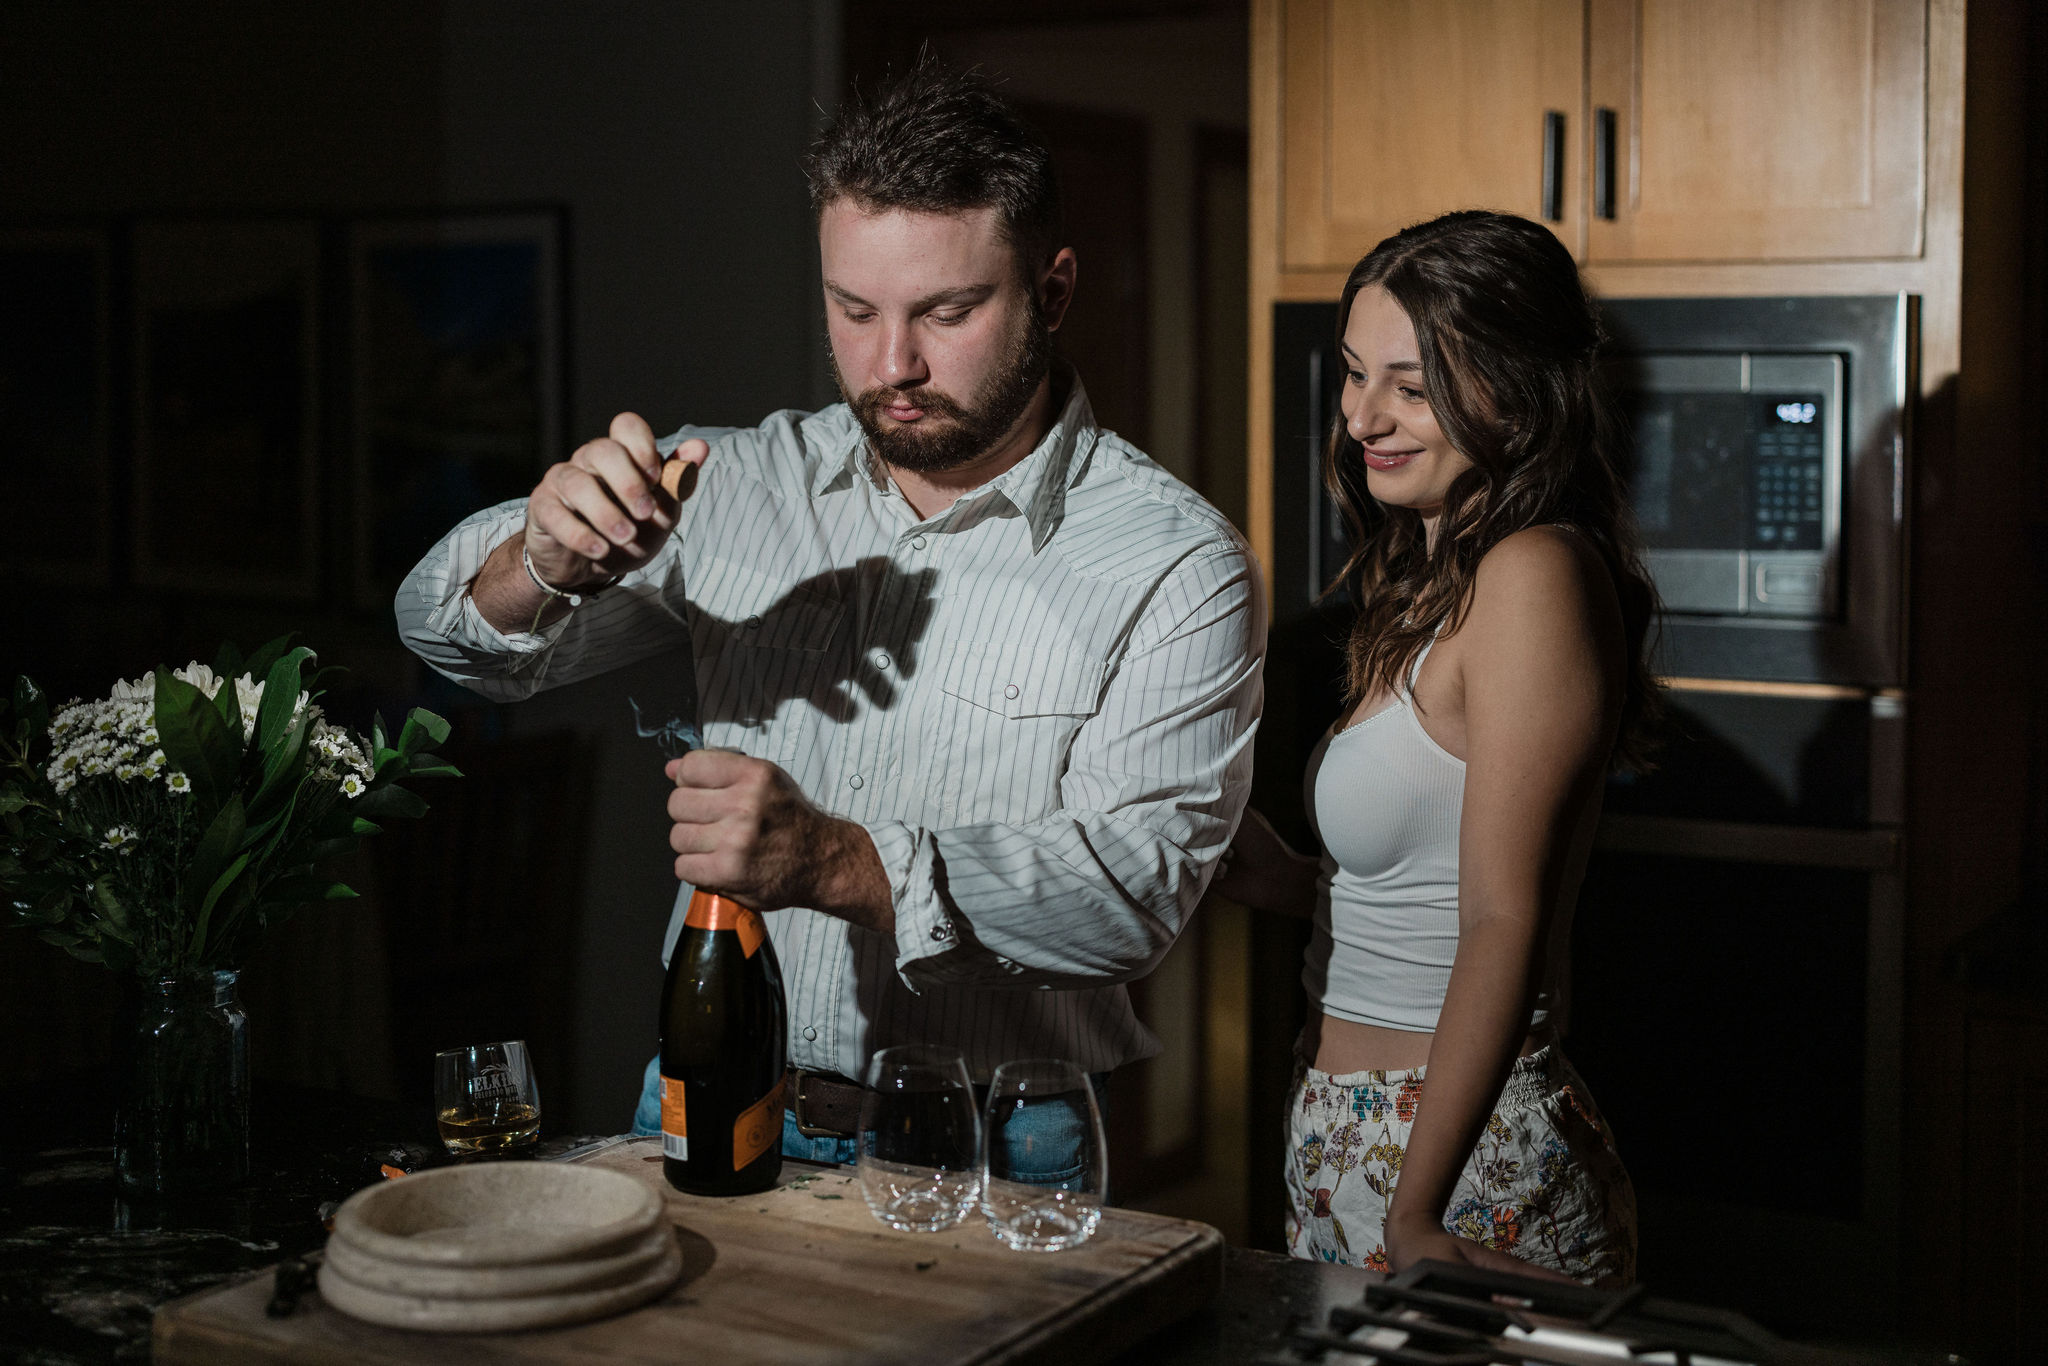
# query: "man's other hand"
[[603, 511], [743, 829]]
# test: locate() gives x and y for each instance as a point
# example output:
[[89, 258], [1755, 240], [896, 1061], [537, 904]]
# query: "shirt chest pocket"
[[765, 650], [1010, 717]]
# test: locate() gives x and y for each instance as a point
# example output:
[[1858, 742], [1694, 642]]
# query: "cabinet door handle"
[[1603, 162], [1553, 165]]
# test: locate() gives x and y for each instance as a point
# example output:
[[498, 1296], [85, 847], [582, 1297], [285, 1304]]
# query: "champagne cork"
[[679, 477]]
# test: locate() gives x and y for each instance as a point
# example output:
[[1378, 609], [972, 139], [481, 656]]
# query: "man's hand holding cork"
[[602, 513]]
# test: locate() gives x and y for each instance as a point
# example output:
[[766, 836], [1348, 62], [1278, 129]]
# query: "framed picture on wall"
[[456, 359], [226, 407], [56, 406]]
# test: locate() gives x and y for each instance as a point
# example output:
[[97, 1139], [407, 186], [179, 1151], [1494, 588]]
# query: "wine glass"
[[920, 1139], [486, 1098], [1045, 1165]]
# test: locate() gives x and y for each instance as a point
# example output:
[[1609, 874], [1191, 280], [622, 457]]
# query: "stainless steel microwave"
[[1768, 476], [1768, 473], [1737, 480]]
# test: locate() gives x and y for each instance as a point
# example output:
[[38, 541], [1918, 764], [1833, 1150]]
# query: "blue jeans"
[[1053, 1132]]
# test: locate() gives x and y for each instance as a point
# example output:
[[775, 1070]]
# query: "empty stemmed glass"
[[920, 1137], [1045, 1166]]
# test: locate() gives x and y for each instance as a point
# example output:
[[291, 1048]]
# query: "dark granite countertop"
[[82, 1271]]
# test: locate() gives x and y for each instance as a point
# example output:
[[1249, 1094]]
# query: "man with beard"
[[979, 678]]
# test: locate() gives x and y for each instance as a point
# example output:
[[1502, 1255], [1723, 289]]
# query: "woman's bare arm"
[[1541, 669]]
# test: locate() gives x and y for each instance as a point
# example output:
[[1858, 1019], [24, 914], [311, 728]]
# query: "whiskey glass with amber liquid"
[[486, 1098]]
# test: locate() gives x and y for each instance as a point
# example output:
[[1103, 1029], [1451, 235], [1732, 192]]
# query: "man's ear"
[[1056, 288]]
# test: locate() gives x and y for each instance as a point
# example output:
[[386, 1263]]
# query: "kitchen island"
[[83, 1272]]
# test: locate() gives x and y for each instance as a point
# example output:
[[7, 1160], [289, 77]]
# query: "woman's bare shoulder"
[[1542, 567]]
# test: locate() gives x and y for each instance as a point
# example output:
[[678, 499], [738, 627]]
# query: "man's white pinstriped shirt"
[[1039, 703]]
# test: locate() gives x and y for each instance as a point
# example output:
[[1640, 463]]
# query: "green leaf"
[[320, 851], [284, 764], [213, 895], [298, 889], [110, 905], [196, 740], [222, 838], [379, 742], [73, 945], [420, 721], [363, 827], [390, 803], [280, 695], [227, 704], [11, 801], [227, 660], [432, 766], [259, 664]]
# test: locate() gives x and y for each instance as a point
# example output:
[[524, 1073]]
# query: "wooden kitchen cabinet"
[[1395, 111], [1693, 130], [1757, 130]]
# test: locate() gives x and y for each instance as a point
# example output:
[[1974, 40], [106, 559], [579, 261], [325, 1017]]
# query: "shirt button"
[[810, 1033], [753, 623], [941, 933], [1011, 692], [855, 782], [917, 542], [881, 660]]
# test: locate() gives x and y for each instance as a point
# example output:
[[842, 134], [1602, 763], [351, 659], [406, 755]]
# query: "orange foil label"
[[675, 1132], [709, 911], [758, 1127], [751, 931]]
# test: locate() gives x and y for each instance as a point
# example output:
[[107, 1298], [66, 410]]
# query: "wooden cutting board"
[[802, 1273]]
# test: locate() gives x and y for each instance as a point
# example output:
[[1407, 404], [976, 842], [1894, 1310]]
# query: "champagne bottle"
[[722, 1053]]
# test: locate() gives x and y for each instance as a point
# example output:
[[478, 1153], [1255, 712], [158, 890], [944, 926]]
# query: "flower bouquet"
[[160, 831]]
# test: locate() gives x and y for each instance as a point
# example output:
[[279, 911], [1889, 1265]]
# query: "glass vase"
[[181, 1125]]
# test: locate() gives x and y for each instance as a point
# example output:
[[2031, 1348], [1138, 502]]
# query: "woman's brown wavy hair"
[[1509, 342]]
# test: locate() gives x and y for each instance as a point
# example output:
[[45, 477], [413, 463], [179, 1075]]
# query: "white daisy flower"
[[118, 837], [178, 782], [352, 786]]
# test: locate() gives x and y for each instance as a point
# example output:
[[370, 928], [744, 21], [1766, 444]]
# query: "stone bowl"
[[431, 1314], [498, 1282], [504, 1214]]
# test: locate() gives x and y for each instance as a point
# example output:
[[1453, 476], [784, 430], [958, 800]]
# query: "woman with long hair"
[[1496, 672]]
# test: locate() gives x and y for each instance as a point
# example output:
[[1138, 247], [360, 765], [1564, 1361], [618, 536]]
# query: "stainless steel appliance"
[[1768, 478]]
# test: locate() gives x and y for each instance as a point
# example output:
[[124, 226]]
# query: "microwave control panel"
[[1737, 480], [1788, 472]]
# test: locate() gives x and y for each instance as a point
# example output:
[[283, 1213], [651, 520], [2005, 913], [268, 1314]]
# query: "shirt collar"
[[1036, 485]]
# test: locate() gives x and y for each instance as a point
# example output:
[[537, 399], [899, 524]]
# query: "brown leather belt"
[[823, 1104]]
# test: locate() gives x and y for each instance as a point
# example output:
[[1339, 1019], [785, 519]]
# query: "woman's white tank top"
[[1386, 801]]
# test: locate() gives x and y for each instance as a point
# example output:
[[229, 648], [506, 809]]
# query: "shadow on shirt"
[[829, 640]]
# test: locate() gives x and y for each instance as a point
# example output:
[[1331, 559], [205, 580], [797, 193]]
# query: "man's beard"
[[967, 431]]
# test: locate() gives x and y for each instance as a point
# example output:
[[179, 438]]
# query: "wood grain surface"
[[802, 1273]]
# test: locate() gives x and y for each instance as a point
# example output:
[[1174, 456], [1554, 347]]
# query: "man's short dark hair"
[[936, 140]]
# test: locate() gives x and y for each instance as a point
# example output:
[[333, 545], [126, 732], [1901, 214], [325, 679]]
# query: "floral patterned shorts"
[[1544, 1182]]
